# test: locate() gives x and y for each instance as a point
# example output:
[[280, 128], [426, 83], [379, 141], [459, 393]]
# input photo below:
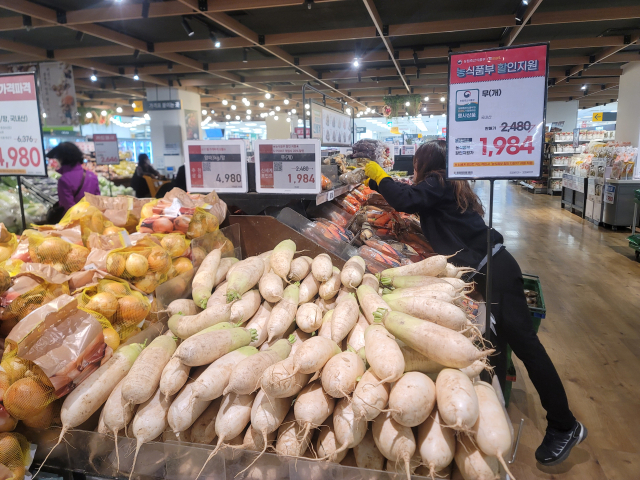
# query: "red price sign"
[[288, 166], [510, 146], [17, 157], [301, 178]]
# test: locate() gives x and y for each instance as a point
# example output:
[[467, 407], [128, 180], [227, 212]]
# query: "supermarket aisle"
[[591, 285]]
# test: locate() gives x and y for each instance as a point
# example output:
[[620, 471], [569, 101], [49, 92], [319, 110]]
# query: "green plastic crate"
[[537, 312]]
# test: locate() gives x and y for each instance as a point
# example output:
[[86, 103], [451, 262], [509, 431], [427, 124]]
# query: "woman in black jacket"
[[138, 182], [451, 219]]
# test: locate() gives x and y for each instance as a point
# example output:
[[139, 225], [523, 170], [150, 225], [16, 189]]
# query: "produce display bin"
[[537, 313]]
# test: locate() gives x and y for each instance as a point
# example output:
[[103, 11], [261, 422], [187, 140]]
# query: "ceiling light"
[[286, 101], [119, 109], [248, 117], [244, 54], [204, 112], [133, 105], [424, 109], [444, 114], [277, 108], [293, 110], [44, 115], [442, 99], [213, 112], [147, 117], [135, 74], [187, 27], [261, 105], [244, 100], [407, 104], [225, 102], [227, 116], [233, 107], [356, 62], [103, 113], [237, 117], [288, 120], [348, 111], [584, 87], [525, 2], [214, 39], [431, 116], [88, 115], [249, 111], [275, 118], [267, 95], [307, 106], [426, 99], [94, 77], [272, 113]]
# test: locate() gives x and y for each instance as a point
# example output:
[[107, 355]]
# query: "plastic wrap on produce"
[[373, 150]]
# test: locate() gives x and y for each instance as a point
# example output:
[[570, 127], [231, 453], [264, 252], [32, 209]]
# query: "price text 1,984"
[[511, 146], [21, 155], [301, 178], [226, 178]]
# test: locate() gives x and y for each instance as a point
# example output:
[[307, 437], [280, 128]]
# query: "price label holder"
[[496, 114], [106, 145], [219, 165], [21, 148], [288, 166]]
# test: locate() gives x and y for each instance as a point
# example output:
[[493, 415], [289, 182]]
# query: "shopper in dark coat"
[[138, 182], [451, 219]]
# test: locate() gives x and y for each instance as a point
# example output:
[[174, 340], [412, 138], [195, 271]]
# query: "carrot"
[[245, 275], [204, 280], [331, 287], [281, 258], [383, 354], [284, 313]]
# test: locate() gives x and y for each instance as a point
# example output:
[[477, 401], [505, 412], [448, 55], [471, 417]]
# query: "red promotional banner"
[[17, 87]]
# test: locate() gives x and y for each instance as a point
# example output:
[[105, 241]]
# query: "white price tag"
[[288, 166], [496, 115], [330, 195], [106, 146], [218, 165], [21, 150]]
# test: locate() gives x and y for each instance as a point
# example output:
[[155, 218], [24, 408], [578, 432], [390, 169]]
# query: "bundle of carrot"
[[291, 354]]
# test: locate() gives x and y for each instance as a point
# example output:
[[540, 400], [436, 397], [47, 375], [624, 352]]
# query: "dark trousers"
[[514, 327]]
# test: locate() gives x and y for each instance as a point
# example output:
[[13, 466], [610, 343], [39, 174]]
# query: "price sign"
[[288, 166], [106, 145], [219, 165], [21, 151], [496, 113]]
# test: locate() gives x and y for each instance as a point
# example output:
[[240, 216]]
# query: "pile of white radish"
[[298, 356]]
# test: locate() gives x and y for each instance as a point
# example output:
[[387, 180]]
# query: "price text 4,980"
[[22, 155], [229, 177]]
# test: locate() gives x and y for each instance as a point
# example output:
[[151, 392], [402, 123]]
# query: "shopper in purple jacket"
[[75, 181]]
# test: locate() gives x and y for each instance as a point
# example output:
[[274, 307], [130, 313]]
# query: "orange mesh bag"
[[202, 222], [49, 248], [15, 456], [47, 355], [82, 214], [114, 301], [144, 265], [8, 243]]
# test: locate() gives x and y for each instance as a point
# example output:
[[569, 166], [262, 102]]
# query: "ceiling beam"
[[377, 22], [586, 15], [528, 13]]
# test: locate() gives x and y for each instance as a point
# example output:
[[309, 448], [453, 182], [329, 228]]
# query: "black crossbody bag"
[[57, 211]]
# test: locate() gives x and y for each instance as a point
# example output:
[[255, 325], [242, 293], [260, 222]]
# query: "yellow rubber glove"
[[375, 172]]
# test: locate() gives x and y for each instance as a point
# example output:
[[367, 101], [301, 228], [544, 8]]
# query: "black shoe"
[[557, 444]]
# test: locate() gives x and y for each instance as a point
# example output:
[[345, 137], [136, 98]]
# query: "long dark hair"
[[429, 161]]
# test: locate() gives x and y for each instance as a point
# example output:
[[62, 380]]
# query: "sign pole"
[[487, 297], [110, 181], [24, 222]]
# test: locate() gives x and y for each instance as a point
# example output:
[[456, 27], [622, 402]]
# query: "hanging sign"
[[496, 112], [106, 145], [288, 166], [219, 165], [58, 93], [21, 151]]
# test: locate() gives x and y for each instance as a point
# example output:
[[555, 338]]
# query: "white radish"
[[281, 257], [325, 329], [412, 281], [204, 280], [313, 354], [340, 375], [284, 313], [223, 269], [473, 370], [246, 375], [212, 382], [457, 283], [298, 337], [396, 442], [383, 354], [344, 293], [186, 326], [259, 323], [371, 281], [322, 267], [473, 463], [440, 344], [271, 287], [327, 446], [491, 431], [150, 421], [267, 414], [353, 272], [412, 399], [116, 415], [308, 289], [326, 305], [246, 307], [344, 318], [432, 310], [430, 293], [279, 381], [370, 302], [142, 380], [266, 259], [416, 362], [367, 454], [233, 416], [183, 306], [204, 428], [331, 287], [207, 347], [309, 317], [427, 290], [431, 266], [184, 409], [457, 399], [355, 339], [253, 440], [174, 375], [313, 406], [300, 268], [436, 443], [452, 271], [348, 429], [370, 396], [245, 275], [292, 439]]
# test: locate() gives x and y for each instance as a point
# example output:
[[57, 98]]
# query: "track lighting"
[[187, 27]]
